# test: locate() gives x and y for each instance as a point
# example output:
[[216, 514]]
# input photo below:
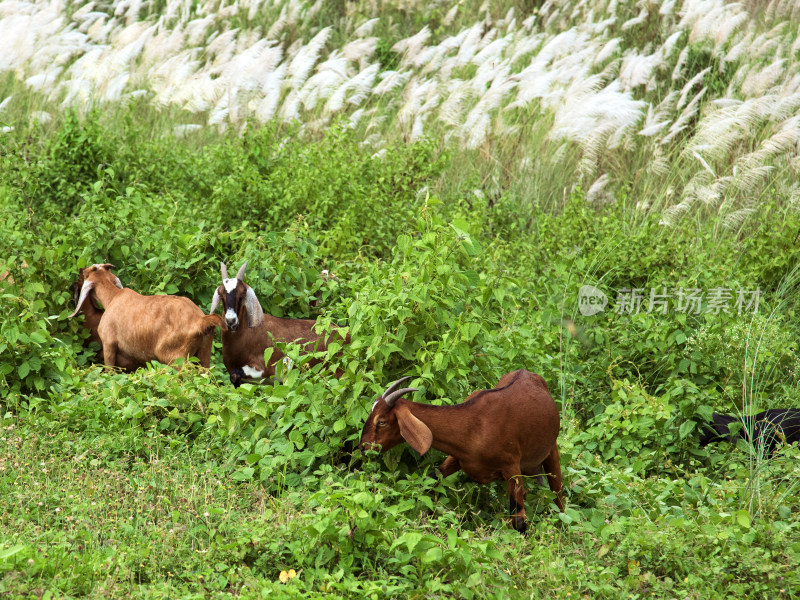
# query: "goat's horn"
[[85, 289], [240, 274], [391, 398], [394, 385], [224, 270]]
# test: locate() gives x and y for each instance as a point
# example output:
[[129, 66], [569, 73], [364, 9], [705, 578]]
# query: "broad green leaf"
[[743, 519], [9, 552]]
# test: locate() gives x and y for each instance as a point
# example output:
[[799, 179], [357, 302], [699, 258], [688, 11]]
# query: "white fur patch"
[[251, 372], [230, 284], [288, 362], [230, 315]]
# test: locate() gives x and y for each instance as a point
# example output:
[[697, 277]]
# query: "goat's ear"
[[87, 287], [107, 266], [414, 431], [255, 314], [214, 302]]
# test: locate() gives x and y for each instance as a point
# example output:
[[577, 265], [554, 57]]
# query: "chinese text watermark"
[[695, 301]]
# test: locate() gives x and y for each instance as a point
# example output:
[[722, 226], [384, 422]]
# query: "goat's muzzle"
[[370, 446], [231, 320]]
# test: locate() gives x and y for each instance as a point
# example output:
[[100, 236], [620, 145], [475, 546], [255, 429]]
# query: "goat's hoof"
[[520, 524], [236, 377]]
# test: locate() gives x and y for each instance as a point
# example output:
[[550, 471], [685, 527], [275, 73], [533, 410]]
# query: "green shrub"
[[640, 429], [350, 197], [73, 160], [751, 360]]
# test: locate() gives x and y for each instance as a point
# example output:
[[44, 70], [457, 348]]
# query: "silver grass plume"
[[410, 47], [470, 44], [659, 117], [304, 60], [757, 83], [366, 28], [360, 50], [597, 192], [271, 89], [687, 88], [391, 80], [736, 219], [452, 108]]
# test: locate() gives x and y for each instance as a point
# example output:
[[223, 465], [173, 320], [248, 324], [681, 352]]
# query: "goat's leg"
[[110, 353], [449, 466], [237, 375], [516, 497], [168, 352], [552, 466], [203, 353], [542, 474]]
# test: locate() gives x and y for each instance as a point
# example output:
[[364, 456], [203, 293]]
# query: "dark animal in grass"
[[499, 434], [243, 346], [136, 329], [92, 314], [768, 428]]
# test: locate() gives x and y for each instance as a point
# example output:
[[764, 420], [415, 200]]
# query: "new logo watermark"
[[693, 301], [591, 300]]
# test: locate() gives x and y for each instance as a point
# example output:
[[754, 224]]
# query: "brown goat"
[[499, 434], [243, 347], [135, 329]]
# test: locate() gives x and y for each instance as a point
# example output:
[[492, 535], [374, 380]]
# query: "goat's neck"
[[447, 426], [90, 310], [105, 291]]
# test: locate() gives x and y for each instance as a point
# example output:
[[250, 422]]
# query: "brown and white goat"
[[499, 434], [243, 347], [135, 329]]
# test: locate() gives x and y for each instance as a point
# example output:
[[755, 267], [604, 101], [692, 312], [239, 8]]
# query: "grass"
[[452, 265], [133, 513], [115, 515]]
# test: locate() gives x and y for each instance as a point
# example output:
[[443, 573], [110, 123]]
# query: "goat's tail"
[[210, 322]]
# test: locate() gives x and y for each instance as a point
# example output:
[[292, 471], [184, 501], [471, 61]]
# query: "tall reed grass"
[[689, 106]]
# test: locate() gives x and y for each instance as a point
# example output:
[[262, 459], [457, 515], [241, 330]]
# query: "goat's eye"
[[381, 423]]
